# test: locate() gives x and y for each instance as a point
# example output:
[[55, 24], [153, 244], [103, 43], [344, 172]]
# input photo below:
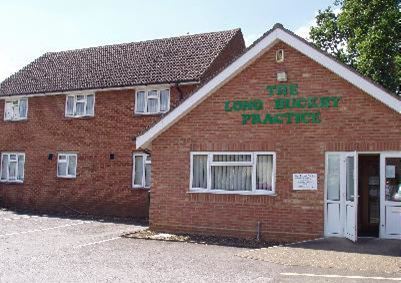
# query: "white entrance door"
[[390, 195], [341, 201], [351, 196]]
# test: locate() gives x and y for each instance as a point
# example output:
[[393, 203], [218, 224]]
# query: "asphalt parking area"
[[53, 249]]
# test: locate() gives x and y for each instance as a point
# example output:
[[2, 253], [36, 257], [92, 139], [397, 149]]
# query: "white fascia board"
[[205, 91], [357, 80]]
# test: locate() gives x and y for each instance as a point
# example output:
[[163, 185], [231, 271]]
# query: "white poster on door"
[[390, 171], [304, 181]]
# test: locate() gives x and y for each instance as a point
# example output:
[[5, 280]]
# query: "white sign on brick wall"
[[304, 181]]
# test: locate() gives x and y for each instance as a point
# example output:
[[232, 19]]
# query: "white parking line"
[[44, 229], [98, 242], [341, 276]]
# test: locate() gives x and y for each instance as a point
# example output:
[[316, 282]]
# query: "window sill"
[[272, 194], [140, 188], [12, 182], [149, 114], [16, 121], [66, 177], [79, 117]]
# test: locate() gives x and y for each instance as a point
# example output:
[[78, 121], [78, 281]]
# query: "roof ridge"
[[235, 30]]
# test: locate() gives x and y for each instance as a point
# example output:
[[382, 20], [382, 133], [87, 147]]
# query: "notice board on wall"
[[304, 181]]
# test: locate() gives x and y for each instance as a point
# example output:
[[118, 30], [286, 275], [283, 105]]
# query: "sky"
[[29, 29]]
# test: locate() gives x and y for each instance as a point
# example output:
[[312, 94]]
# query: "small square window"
[[152, 101], [67, 165], [80, 105], [16, 110], [12, 167]]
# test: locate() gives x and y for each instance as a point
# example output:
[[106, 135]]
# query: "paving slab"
[[368, 255]]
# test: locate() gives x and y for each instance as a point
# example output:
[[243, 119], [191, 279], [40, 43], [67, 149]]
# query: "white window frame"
[[252, 163], [19, 101], [16, 170], [144, 163], [75, 105], [67, 155], [146, 91]]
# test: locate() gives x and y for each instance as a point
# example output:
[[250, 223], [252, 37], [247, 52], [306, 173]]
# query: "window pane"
[[148, 175], [153, 105], [21, 163], [80, 108], [264, 171], [70, 105], [8, 110], [164, 100], [72, 165], [350, 178], [333, 177], [393, 179], [90, 104], [138, 170], [140, 101], [232, 157], [23, 107], [4, 167], [62, 168], [199, 171], [152, 94], [15, 107], [232, 178], [12, 170]]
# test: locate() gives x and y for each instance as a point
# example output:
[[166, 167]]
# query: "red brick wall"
[[102, 186], [359, 123]]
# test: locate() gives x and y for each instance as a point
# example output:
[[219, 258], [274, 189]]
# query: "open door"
[[351, 196]]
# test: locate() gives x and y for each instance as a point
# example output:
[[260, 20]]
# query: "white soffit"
[[250, 56]]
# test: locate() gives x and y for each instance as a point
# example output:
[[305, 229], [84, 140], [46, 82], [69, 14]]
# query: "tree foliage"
[[365, 34]]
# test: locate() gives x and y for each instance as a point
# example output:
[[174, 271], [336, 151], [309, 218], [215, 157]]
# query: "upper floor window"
[[67, 165], [12, 167], [80, 105], [233, 172], [141, 171], [152, 101], [16, 109]]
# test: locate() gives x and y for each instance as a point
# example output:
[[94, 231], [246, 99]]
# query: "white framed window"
[[233, 172], [142, 167], [67, 165], [152, 101], [80, 105], [16, 109], [12, 167]]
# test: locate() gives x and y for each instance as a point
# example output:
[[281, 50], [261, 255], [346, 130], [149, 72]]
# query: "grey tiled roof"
[[175, 59]]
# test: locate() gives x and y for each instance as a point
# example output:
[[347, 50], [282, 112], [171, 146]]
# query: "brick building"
[[67, 139], [285, 142]]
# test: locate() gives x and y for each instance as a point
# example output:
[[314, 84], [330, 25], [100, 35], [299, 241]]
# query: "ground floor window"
[[233, 172], [67, 165], [141, 170], [12, 167]]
